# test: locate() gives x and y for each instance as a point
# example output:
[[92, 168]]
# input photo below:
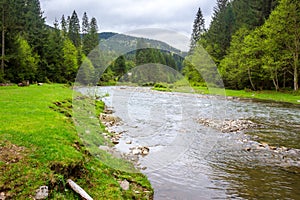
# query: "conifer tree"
[[64, 25], [85, 24], [94, 32], [198, 29], [74, 30], [91, 38]]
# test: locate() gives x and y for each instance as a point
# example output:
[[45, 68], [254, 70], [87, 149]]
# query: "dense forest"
[[35, 52], [32, 51], [255, 44]]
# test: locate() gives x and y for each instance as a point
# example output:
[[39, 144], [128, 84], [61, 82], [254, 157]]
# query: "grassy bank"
[[287, 96], [39, 145]]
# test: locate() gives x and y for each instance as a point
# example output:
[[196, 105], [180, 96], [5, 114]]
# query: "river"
[[188, 160]]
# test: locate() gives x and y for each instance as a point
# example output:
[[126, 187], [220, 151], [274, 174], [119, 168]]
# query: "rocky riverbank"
[[110, 121]]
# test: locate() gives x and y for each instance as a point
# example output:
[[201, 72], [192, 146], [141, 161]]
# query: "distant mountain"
[[121, 42]]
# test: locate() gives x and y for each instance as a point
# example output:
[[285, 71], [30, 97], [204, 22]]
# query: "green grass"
[[39, 145], [184, 86], [288, 96]]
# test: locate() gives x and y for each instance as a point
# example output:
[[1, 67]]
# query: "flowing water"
[[188, 160]]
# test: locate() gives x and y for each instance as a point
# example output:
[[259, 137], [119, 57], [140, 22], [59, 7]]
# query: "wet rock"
[[129, 142], [42, 193], [227, 126], [136, 151], [108, 111], [140, 150], [124, 185], [145, 151], [248, 149], [115, 141], [109, 119], [2, 196]]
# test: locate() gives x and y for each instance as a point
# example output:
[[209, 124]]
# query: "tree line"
[[144, 66], [34, 51], [255, 44]]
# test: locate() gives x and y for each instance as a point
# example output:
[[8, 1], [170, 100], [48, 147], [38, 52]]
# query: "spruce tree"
[[94, 32], [74, 30], [64, 25], [85, 24], [198, 29], [91, 38]]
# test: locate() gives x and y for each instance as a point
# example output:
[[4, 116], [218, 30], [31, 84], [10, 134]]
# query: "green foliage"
[[90, 38], [74, 30], [70, 62], [267, 57], [25, 62], [255, 44], [198, 29], [86, 73]]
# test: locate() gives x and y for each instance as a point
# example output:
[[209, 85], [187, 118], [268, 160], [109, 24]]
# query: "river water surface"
[[188, 160]]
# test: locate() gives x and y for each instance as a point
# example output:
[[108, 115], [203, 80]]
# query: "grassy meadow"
[[39, 145]]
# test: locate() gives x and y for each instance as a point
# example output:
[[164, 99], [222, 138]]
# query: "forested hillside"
[[255, 44], [32, 51]]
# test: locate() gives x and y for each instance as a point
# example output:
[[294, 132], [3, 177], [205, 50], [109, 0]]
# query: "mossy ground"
[[39, 145]]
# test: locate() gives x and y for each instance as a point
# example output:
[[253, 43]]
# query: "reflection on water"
[[190, 161]]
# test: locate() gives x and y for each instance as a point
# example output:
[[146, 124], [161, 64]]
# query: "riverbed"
[[188, 160]]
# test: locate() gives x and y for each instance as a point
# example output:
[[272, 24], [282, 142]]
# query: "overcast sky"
[[122, 16], [126, 15]]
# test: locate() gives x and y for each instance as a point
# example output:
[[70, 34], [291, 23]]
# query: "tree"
[[119, 67], [94, 33], [85, 24], [55, 56], [91, 38], [233, 75], [221, 28], [198, 29], [64, 25], [74, 30], [70, 61], [25, 63], [86, 73], [282, 29]]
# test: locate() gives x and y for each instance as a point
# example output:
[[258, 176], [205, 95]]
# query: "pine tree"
[[198, 29], [74, 30], [94, 32], [64, 25], [119, 66], [221, 28], [85, 24], [91, 38]]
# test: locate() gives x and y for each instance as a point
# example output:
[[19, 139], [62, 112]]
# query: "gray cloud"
[[126, 15]]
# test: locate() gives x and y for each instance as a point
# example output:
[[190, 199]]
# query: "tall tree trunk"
[[3, 42], [250, 79], [296, 86]]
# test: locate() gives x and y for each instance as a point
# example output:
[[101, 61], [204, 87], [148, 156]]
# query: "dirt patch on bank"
[[11, 153]]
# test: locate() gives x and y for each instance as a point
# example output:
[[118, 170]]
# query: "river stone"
[[129, 142], [42, 193], [124, 185], [2, 196], [136, 151]]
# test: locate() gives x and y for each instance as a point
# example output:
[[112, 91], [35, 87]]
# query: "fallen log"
[[79, 190]]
